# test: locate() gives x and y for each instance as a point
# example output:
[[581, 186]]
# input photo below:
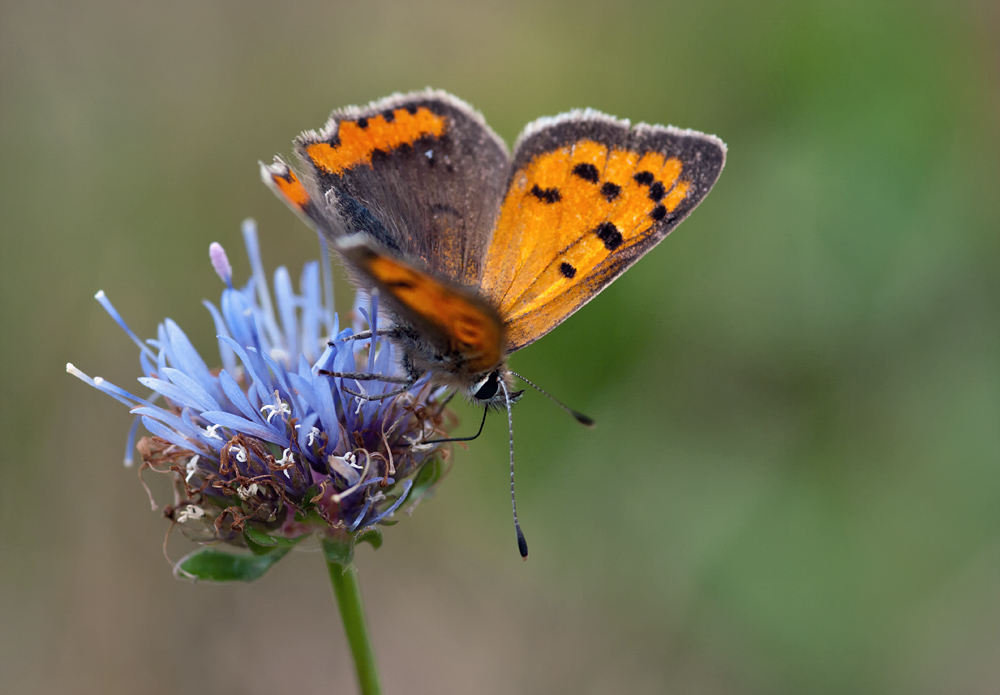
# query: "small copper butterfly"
[[479, 252]]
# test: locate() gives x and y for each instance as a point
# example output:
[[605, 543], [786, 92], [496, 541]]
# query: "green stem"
[[346, 588]]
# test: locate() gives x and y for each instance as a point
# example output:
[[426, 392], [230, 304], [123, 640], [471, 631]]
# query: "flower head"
[[268, 447]]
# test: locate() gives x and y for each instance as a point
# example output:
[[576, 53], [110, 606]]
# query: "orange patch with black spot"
[[566, 213], [356, 141], [291, 188]]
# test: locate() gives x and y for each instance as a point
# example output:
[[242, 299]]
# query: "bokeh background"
[[795, 482]]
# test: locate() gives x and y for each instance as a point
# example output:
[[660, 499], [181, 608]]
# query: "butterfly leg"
[[379, 397], [365, 335], [363, 376]]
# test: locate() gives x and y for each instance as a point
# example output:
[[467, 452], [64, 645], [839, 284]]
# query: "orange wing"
[[452, 319], [587, 198]]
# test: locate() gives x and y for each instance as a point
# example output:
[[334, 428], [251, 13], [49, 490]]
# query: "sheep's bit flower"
[[267, 450]]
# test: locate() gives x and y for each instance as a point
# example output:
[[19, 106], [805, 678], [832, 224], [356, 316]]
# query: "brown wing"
[[421, 174]]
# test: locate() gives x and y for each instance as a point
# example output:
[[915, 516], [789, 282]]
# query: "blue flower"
[[268, 441]]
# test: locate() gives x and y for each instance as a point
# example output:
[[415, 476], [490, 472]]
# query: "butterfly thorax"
[[456, 366]]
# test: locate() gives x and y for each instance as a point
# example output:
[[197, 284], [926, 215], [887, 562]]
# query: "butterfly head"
[[486, 389]]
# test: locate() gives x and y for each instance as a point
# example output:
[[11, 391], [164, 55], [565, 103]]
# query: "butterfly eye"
[[488, 387]]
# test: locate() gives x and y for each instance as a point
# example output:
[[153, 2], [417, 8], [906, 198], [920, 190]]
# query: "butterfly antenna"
[[580, 417], [522, 545], [461, 439]]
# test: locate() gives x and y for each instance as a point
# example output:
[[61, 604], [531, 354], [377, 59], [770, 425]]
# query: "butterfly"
[[478, 252]]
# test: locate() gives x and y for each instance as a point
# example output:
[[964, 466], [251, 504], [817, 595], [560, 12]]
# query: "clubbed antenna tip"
[[583, 419], [522, 545]]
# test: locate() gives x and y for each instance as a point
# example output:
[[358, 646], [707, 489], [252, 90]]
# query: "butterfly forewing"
[[421, 174], [587, 197]]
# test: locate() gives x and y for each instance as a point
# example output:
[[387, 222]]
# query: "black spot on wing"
[[567, 270], [658, 213], [362, 123], [656, 192], [609, 234], [400, 285], [610, 191], [586, 171], [643, 178], [549, 195], [389, 115]]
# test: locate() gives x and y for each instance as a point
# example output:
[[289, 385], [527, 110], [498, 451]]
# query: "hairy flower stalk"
[[267, 450]]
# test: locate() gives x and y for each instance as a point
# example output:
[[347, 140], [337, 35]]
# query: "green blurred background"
[[795, 482]]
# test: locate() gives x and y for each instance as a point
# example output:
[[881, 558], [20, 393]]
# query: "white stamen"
[[191, 468], [313, 434], [361, 401], [190, 512], [241, 453], [339, 464], [417, 444], [280, 409], [211, 432], [286, 458], [246, 493]]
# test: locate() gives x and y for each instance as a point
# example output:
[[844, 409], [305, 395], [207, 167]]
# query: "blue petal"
[[358, 310], [305, 427], [186, 429], [178, 395], [161, 353], [184, 357], [239, 317], [373, 326], [279, 372], [284, 295], [120, 394], [241, 424], [302, 387], [214, 443], [236, 396], [364, 510], [163, 432], [263, 389], [225, 352], [130, 441], [266, 312], [265, 347], [330, 317], [407, 484], [312, 310], [146, 363], [327, 412], [109, 307], [193, 387]]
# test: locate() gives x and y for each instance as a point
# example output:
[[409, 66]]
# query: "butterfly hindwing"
[[420, 173], [587, 197], [438, 318]]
